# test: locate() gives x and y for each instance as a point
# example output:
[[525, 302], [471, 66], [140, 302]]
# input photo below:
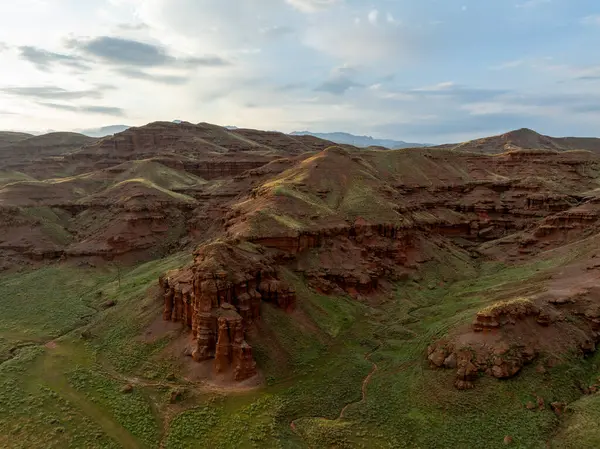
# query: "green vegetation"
[[146, 184], [47, 303], [159, 174], [53, 223], [581, 427], [58, 387]]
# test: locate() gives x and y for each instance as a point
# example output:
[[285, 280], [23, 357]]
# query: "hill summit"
[[528, 139]]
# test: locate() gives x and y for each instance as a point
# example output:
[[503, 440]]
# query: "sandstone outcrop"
[[219, 298], [510, 334]]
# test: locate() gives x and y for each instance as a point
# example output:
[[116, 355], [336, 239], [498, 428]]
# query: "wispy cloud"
[[446, 85], [128, 52], [137, 74], [311, 6], [509, 65], [103, 110], [532, 3], [45, 60], [339, 81], [133, 26], [591, 20], [53, 92]]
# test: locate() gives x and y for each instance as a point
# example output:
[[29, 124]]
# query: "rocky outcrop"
[[576, 219], [508, 335], [501, 314], [232, 350], [219, 298]]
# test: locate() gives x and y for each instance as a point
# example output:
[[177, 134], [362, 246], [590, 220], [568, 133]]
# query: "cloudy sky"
[[416, 70]]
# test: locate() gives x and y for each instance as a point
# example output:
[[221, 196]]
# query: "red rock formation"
[[507, 335], [218, 298], [232, 350]]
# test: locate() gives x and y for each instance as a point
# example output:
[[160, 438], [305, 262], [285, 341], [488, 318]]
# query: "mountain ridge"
[[360, 141]]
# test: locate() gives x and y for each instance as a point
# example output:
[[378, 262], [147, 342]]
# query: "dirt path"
[[413, 307], [364, 385], [113, 429], [167, 414]]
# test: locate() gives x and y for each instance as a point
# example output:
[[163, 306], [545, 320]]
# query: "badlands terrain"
[[191, 286]]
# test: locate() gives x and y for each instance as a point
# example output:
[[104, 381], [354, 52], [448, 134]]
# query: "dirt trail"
[[364, 385], [365, 381], [113, 429], [415, 307], [167, 415]]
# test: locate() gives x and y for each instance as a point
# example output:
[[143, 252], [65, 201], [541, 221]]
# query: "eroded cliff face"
[[219, 298], [357, 259]]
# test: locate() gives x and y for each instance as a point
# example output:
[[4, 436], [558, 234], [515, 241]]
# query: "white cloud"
[[532, 3], [359, 42], [509, 106], [508, 65], [373, 16], [437, 87], [591, 20], [310, 6], [206, 26]]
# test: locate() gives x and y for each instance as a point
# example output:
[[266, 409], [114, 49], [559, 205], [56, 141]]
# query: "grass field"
[[339, 373]]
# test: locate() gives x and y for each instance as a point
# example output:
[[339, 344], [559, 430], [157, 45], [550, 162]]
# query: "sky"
[[430, 71]]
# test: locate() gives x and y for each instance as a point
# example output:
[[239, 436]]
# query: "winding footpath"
[[365, 384]]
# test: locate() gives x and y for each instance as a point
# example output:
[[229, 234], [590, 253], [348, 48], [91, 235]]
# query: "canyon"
[[300, 228]]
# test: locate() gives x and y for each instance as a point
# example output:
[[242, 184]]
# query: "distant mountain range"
[[360, 141], [104, 131]]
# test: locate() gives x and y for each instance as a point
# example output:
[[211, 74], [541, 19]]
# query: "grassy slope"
[[334, 186], [581, 427], [67, 396], [8, 137], [161, 175]]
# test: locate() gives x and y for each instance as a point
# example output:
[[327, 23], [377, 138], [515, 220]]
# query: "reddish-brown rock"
[[509, 334], [219, 298], [558, 407]]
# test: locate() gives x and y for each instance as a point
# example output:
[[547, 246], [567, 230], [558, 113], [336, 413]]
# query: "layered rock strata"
[[219, 298]]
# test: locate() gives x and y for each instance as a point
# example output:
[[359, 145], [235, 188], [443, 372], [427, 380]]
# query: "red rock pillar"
[[168, 310], [222, 353]]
